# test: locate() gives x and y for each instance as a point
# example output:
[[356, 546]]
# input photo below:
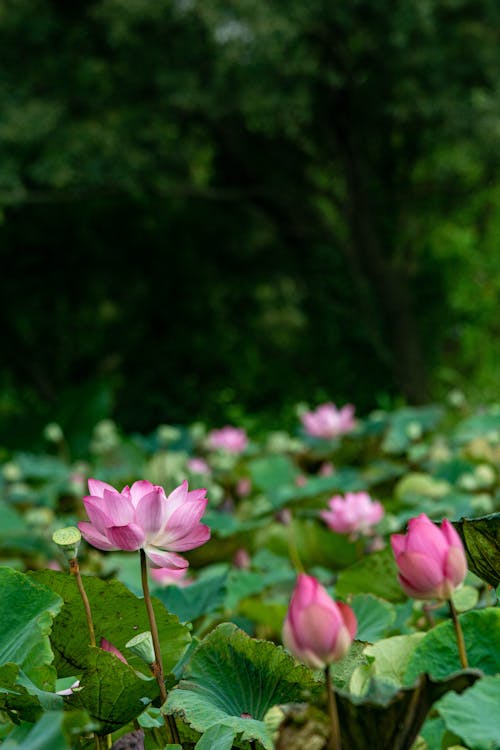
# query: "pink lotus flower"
[[230, 439], [198, 466], [143, 517], [170, 576], [328, 422], [326, 469], [355, 514], [317, 630], [431, 560]]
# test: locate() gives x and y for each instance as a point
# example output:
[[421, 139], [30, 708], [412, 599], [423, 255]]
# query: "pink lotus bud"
[[242, 559], [431, 560], [107, 646], [243, 487], [284, 516], [354, 514], [143, 517], [326, 469], [228, 438], [328, 422], [317, 630]]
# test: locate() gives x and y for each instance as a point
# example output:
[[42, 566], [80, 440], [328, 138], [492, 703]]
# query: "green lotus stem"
[[335, 741], [293, 550], [74, 569], [459, 635], [157, 666]]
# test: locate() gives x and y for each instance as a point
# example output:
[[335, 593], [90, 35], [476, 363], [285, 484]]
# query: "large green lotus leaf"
[[234, 680], [374, 574], [386, 660], [118, 616], [344, 479], [437, 652], [343, 670], [200, 598], [477, 426], [27, 611], [218, 737], [112, 692], [271, 472], [55, 730], [316, 544], [374, 616], [404, 422], [225, 524], [481, 539], [243, 583], [15, 699], [473, 716], [391, 717]]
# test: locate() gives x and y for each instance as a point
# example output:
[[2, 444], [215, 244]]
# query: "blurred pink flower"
[[170, 576], [317, 630], [328, 422], [284, 516], [243, 487], [431, 560], [241, 559], [198, 466], [143, 517], [300, 480], [355, 514], [228, 438], [326, 469]]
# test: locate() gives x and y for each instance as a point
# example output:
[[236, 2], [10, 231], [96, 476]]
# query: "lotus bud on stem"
[[156, 665], [68, 540]]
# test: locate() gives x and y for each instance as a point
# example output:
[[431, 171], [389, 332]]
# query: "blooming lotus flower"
[[317, 630], [228, 438], [143, 517], [431, 560], [354, 514], [328, 422]]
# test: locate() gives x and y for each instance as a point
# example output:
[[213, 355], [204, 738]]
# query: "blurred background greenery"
[[217, 209]]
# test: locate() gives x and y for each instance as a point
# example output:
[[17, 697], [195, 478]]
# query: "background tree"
[[245, 203]]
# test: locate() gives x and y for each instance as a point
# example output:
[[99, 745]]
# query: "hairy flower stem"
[[459, 635], [157, 666], [74, 569], [335, 742]]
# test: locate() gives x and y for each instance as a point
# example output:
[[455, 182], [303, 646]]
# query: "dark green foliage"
[[210, 207]]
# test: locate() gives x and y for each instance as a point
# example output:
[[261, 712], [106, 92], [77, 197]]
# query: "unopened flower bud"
[[317, 630], [142, 646], [68, 540], [431, 560]]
